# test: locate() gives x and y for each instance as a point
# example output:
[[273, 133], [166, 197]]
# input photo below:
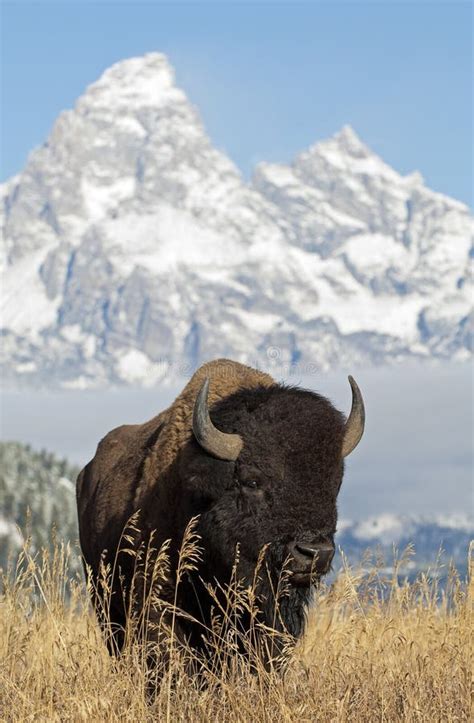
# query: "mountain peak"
[[344, 152], [349, 141], [148, 80]]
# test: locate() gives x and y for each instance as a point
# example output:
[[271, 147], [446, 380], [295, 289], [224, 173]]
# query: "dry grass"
[[374, 650]]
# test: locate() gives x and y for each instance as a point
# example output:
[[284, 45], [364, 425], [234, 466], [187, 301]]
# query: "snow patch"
[[135, 366], [387, 528], [99, 199], [25, 307], [162, 241]]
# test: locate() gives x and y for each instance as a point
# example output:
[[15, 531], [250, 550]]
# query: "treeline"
[[37, 499]]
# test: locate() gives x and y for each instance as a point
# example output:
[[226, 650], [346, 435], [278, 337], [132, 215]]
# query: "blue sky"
[[268, 78]]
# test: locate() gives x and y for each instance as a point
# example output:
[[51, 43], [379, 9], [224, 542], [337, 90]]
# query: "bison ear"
[[219, 444]]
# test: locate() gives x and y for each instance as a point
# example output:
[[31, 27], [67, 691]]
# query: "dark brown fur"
[[292, 451]]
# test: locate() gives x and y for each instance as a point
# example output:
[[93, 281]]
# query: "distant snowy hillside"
[[36, 497], [133, 249], [44, 485], [446, 535]]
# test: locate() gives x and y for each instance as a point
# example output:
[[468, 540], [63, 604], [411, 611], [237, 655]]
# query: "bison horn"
[[354, 428], [219, 444]]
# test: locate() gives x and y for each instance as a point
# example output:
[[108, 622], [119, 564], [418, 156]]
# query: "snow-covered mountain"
[[133, 249], [37, 494]]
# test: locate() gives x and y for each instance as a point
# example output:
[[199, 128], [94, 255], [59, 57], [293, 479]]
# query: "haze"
[[415, 457]]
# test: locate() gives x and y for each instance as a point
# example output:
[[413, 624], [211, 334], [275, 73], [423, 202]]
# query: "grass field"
[[374, 650]]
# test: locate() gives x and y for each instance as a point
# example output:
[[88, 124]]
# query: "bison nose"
[[317, 556]]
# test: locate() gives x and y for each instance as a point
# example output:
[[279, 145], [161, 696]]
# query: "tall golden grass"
[[375, 649]]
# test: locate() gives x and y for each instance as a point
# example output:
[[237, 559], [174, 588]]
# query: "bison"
[[263, 473]]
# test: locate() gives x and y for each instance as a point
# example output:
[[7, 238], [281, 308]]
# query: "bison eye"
[[253, 484]]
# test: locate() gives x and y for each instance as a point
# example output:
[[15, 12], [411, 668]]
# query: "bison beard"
[[260, 468], [283, 613]]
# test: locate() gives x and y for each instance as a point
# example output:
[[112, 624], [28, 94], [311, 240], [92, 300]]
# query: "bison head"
[[266, 471]]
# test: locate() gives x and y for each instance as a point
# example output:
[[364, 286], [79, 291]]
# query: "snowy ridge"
[[133, 251], [390, 529], [433, 541]]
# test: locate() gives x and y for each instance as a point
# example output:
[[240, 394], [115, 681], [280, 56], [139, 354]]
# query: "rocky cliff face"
[[133, 250]]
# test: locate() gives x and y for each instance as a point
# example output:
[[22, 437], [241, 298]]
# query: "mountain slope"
[[133, 249]]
